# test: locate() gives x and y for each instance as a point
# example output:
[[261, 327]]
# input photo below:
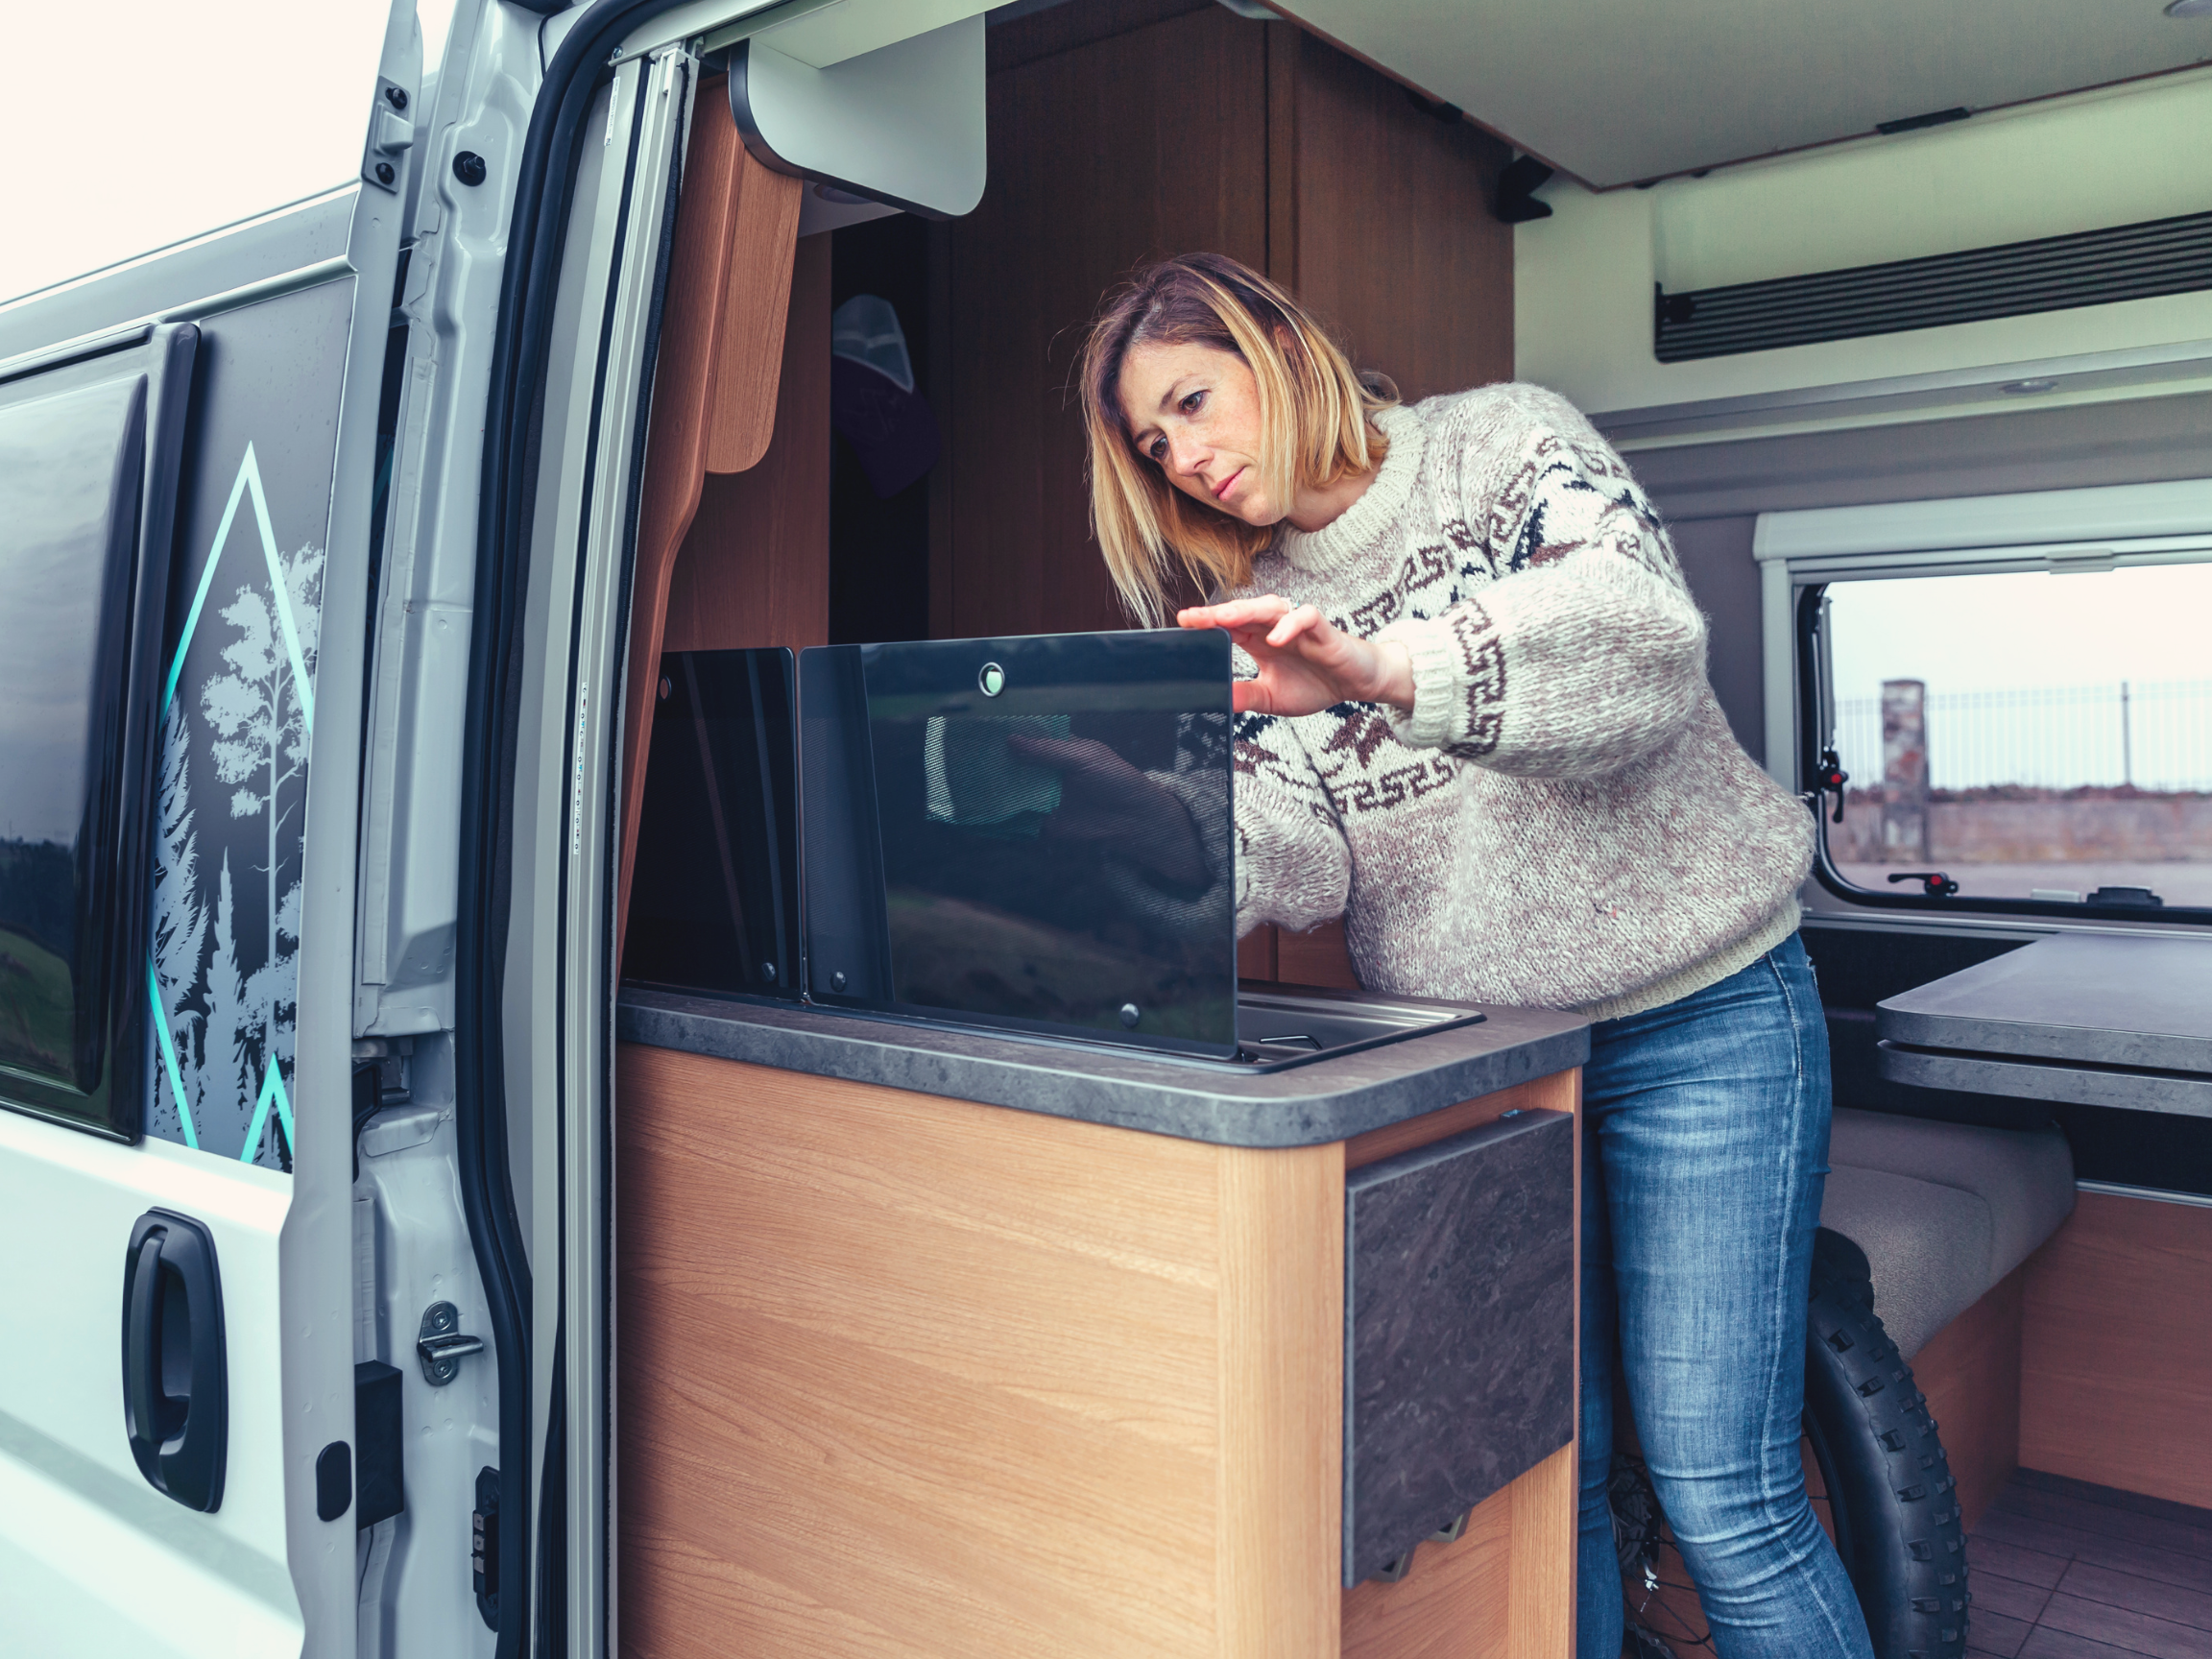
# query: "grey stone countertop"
[[2139, 1002], [1330, 1098]]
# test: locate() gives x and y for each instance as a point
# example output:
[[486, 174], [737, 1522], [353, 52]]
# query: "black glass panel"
[[70, 473], [714, 890], [1031, 833]]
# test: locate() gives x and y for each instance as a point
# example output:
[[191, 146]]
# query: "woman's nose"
[[1186, 454]]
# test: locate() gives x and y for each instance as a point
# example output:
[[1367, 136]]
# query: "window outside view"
[[2029, 736]]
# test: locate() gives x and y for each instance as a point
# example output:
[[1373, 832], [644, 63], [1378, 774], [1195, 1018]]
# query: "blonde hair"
[[1314, 421]]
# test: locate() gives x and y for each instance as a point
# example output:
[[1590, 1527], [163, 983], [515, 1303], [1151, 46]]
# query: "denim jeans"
[[1705, 1149]]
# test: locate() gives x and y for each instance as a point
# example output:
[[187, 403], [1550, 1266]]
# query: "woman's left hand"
[[1305, 665]]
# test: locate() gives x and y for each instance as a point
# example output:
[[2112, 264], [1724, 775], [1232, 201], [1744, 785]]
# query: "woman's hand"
[[1305, 665], [1104, 798]]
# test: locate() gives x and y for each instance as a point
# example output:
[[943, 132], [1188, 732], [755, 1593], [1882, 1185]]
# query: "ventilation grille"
[[2052, 274]]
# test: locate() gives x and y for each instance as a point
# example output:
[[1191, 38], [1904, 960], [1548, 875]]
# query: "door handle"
[[176, 1398]]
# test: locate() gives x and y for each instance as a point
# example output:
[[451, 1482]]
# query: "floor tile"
[[1994, 1593], [2116, 1626], [2007, 1529], [2107, 1520], [2046, 1643], [2183, 1514], [1986, 1554], [1994, 1634], [2136, 1594], [2167, 1566]]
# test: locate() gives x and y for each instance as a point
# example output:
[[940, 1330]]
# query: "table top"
[[2136, 1002], [1332, 1098]]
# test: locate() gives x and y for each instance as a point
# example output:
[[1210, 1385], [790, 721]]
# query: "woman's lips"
[[1226, 482]]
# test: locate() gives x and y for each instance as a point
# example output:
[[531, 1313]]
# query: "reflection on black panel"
[[1031, 833], [714, 890]]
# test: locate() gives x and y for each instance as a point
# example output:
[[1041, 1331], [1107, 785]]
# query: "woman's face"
[[1193, 411]]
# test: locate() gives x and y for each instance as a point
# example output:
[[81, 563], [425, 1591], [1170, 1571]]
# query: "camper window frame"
[[1796, 572]]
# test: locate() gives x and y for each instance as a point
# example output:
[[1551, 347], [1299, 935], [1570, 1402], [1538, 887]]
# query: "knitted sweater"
[[1564, 820]]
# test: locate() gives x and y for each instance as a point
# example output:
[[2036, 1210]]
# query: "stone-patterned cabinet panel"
[[1459, 1327]]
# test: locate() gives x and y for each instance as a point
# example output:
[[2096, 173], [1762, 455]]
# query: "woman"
[[1479, 728]]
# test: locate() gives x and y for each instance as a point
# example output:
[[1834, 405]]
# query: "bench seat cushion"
[[1943, 1211]]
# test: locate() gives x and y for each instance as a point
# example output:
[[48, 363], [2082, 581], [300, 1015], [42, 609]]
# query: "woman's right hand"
[[1305, 663]]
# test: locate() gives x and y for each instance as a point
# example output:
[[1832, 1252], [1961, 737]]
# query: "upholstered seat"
[[1943, 1211]]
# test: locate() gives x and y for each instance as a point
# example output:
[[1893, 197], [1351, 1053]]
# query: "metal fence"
[[2153, 734]]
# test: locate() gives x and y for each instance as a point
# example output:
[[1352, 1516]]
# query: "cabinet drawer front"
[[1459, 1327]]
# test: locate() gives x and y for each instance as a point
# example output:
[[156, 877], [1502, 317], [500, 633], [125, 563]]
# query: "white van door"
[[188, 464]]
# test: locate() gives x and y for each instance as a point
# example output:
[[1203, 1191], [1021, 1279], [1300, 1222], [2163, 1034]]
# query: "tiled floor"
[[2063, 1570]]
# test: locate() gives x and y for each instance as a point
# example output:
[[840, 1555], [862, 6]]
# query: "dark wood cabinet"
[[1123, 132]]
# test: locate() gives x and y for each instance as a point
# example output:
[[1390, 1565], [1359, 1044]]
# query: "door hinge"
[[391, 136]]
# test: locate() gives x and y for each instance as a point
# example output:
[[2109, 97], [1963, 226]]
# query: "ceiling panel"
[[1615, 94]]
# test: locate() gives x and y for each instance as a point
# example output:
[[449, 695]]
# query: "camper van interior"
[[1892, 383], [790, 1199]]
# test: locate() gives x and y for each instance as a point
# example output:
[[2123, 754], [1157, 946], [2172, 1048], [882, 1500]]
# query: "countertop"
[[2097, 1019], [1330, 1098]]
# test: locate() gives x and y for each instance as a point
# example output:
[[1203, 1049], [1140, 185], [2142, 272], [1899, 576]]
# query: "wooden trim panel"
[[2116, 1368], [753, 568], [728, 290], [1970, 1371]]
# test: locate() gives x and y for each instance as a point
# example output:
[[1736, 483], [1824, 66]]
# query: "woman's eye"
[[1191, 404], [1157, 449]]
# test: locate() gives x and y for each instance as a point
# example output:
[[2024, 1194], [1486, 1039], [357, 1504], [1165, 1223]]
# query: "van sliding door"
[[187, 471]]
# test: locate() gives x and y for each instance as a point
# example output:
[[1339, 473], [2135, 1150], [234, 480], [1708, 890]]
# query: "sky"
[[136, 124], [2008, 632]]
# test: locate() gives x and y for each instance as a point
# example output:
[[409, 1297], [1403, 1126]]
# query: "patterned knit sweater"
[[1564, 820]]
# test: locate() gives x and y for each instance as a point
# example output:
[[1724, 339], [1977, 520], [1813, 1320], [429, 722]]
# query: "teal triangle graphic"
[[247, 485]]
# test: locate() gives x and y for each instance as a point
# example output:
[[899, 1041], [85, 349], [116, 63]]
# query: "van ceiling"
[[1616, 94]]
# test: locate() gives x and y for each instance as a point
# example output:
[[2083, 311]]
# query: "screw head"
[[1130, 1014], [384, 173], [992, 679], [396, 96], [469, 167], [837, 980], [768, 971], [667, 686]]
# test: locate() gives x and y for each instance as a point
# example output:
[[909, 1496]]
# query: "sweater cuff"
[[1436, 662]]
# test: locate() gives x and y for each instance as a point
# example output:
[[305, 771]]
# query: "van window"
[[69, 474], [2026, 734]]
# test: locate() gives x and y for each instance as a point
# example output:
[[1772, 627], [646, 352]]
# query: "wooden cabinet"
[[1128, 130], [906, 1375]]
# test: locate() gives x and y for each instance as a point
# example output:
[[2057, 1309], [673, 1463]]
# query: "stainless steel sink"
[[1277, 1027]]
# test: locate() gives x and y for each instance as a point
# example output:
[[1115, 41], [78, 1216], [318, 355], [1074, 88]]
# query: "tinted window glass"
[[69, 472], [714, 888], [2026, 734], [1029, 832]]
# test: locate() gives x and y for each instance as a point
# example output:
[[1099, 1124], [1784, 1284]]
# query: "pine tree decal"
[[226, 1006], [227, 1038], [180, 933]]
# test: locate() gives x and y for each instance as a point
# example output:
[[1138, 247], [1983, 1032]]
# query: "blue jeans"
[[1705, 1149]]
